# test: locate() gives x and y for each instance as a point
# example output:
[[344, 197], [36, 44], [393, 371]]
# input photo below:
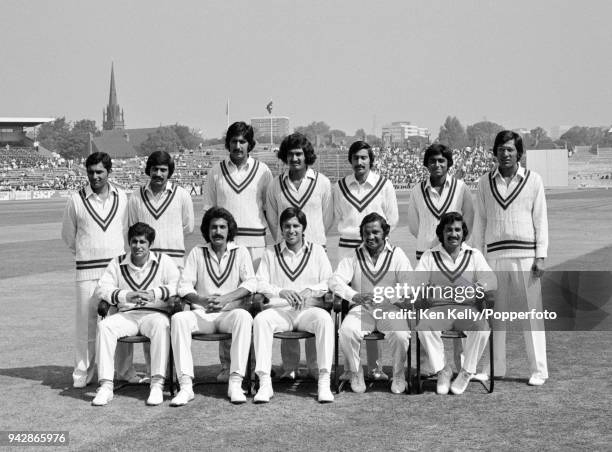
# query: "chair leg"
[[419, 383], [248, 374], [491, 364], [336, 353], [409, 363], [171, 371]]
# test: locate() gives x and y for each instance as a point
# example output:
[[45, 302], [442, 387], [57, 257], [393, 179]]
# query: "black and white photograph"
[[279, 225]]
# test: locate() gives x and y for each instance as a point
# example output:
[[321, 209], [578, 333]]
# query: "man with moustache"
[[168, 209], [239, 185], [354, 197], [217, 278], [374, 263]]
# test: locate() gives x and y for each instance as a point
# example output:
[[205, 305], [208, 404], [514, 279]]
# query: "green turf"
[[572, 411]]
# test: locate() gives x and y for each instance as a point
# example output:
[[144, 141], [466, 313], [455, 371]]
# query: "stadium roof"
[[24, 122]]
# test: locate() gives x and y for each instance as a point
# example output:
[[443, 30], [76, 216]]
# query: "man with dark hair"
[[293, 277], [168, 208], [139, 284], [375, 263], [301, 187], [93, 228], [354, 197], [438, 194], [429, 200], [511, 228], [454, 265], [239, 184], [218, 279]]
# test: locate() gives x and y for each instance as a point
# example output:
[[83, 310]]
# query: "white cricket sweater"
[[171, 215], [94, 230], [511, 220], [243, 193]]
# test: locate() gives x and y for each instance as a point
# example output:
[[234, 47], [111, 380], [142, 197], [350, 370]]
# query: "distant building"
[[522, 131], [399, 132], [278, 124], [112, 118]]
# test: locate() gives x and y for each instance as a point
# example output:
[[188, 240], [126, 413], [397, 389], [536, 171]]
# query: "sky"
[[353, 64]]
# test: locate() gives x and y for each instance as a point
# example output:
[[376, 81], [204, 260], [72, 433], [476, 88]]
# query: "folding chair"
[[453, 335], [341, 308], [258, 302], [218, 337], [103, 308]]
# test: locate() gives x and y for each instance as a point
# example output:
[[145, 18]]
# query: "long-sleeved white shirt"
[[511, 219], [426, 206], [280, 268], [313, 197], [360, 274], [159, 273], [170, 214]]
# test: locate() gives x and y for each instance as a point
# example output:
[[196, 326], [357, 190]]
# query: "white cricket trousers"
[[314, 320], [86, 321], [519, 290], [477, 332], [359, 322], [238, 322], [154, 325]]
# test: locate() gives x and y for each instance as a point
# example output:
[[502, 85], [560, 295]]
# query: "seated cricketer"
[[217, 281], [293, 277], [139, 284], [375, 263], [457, 279]]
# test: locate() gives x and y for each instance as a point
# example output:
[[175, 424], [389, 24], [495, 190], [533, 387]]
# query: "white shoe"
[[288, 375], [79, 382], [223, 376], [377, 375], [482, 376], [324, 394], [357, 382], [234, 390], [536, 381], [264, 394], [156, 396], [183, 397], [103, 396], [444, 380], [460, 383], [398, 385]]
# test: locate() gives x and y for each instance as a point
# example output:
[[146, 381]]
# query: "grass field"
[[571, 411]]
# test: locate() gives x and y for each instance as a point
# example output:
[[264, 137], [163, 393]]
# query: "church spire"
[[114, 114]]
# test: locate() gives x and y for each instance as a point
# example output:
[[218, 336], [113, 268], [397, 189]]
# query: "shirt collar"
[[520, 172], [168, 187], [127, 259], [371, 179], [310, 174], [249, 164], [285, 249], [89, 192], [441, 248], [446, 182]]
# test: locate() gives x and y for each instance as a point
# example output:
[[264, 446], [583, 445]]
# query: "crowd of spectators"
[[405, 166]]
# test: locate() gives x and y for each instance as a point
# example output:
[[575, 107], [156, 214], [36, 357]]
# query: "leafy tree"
[[316, 132], [54, 135], [452, 133], [360, 134], [163, 139], [538, 139], [70, 141], [483, 133], [188, 137], [373, 140]]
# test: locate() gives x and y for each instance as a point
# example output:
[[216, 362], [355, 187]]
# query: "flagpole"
[[227, 114]]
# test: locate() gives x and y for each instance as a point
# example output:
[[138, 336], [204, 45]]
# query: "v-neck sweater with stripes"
[[93, 234], [512, 224], [170, 218]]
